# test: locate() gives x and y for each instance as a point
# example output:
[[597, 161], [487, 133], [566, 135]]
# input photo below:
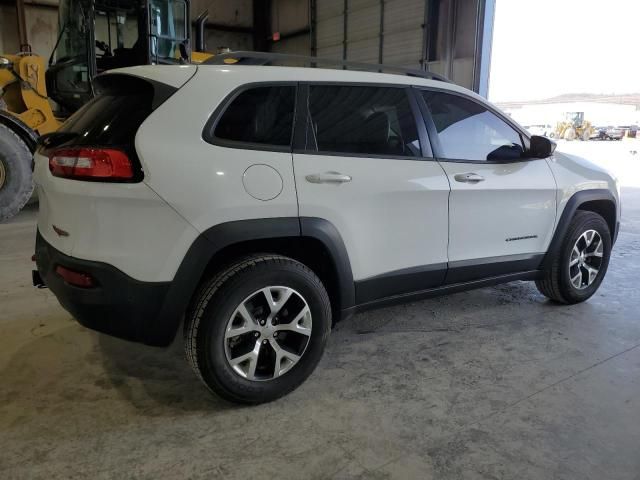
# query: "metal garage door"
[[372, 31]]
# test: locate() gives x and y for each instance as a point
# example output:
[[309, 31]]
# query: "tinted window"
[[468, 131], [259, 115], [114, 115], [364, 120]]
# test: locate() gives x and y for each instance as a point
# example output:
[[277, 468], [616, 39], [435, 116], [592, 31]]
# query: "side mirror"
[[541, 147]]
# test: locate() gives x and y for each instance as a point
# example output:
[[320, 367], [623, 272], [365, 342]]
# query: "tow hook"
[[37, 279], [35, 276]]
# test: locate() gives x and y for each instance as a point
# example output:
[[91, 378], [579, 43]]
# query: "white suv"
[[263, 203]]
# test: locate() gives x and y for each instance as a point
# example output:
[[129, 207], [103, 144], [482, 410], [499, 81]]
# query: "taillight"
[[78, 279], [90, 164]]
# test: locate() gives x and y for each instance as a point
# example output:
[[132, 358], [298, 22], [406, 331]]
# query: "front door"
[[502, 207], [364, 170]]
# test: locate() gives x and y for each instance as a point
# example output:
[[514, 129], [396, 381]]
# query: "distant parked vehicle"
[[615, 133], [630, 131], [599, 133], [541, 130]]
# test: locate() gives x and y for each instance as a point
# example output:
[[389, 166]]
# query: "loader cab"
[[99, 35], [574, 118]]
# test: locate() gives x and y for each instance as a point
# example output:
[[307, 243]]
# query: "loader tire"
[[570, 134], [16, 182]]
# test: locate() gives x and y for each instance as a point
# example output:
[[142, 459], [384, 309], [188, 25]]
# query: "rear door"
[[364, 164], [502, 205]]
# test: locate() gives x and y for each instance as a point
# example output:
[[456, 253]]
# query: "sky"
[[544, 48]]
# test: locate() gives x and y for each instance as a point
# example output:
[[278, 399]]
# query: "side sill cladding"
[[574, 204], [161, 330]]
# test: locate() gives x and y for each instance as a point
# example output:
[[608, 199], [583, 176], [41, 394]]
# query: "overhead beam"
[[225, 28], [31, 3]]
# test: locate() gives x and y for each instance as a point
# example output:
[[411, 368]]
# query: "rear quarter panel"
[[204, 182]]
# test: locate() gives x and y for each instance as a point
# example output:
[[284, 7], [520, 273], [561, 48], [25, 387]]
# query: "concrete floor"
[[494, 383]]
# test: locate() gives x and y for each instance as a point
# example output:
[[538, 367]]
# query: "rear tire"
[[16, 183], [225, 322], [568, 279]]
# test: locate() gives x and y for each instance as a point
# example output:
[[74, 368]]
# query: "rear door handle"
[[328, 177], [469, 178]]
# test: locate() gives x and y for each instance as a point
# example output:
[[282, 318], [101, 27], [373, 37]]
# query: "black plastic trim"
[[569, 211], [400, 282], [328, 235], [118, 305], [26, 134], [477, 269], [362, 155], [213, 240], [300, 121], [197, 259], [443, 290]]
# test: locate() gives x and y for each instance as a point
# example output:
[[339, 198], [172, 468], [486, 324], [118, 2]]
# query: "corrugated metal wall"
[[404, 32], [377, 31], [290, 18]]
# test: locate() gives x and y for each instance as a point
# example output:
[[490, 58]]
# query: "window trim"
[[302, 115], [435, 137], [208, 131]]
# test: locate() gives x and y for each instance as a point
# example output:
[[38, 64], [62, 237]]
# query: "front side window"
[[468, 131], [361, 120], [262, 115]]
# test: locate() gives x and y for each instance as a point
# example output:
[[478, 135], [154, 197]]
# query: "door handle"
[[469, 178], [328, 177]]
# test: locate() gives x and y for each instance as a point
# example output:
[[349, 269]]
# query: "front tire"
[[578, 267], [257, 329]]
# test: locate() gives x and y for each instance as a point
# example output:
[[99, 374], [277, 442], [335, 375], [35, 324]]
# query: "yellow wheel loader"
[[573, 127], [93, 36]]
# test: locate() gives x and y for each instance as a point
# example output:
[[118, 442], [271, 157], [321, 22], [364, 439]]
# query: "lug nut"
[[264, 342], [262, 322], [257, 334]]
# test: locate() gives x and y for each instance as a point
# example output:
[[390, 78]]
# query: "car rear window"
[[112, 117]]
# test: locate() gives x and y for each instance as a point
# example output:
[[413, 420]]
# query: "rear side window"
[[469, 131], [260, 115], [362, 120]]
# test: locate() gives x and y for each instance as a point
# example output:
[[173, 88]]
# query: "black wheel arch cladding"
[[218, 237], [573, 204]]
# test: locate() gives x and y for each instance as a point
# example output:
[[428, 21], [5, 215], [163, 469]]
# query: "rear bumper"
[[118, 305]]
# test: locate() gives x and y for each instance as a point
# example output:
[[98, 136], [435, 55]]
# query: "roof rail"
[[281, 59]]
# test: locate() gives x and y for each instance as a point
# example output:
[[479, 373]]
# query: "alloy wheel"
[[268, 333], [586, 259]]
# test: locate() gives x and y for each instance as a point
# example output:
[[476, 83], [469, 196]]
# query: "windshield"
[[168, 29], [71, 46], [120, 39]]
